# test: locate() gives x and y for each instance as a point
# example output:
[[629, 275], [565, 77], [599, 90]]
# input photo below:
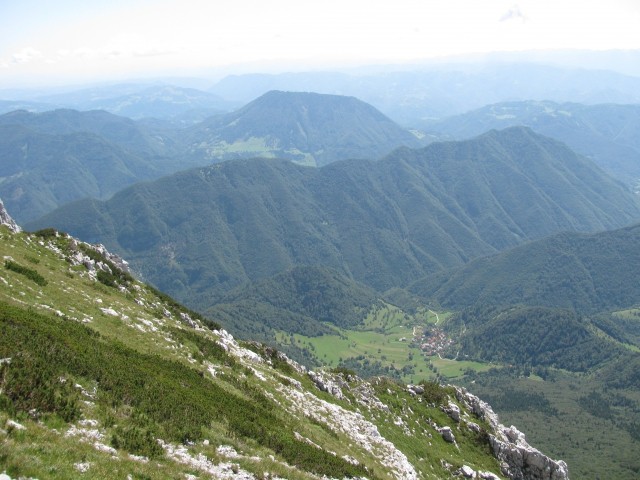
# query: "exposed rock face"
[[520, 461], [327, 384], [453, 411], [5, 219], [415, 389]]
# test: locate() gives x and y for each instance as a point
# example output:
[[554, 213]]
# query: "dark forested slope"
[[584, 272], [386, 223]]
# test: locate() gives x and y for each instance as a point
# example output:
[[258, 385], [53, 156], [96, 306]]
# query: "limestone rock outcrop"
[[5, 219], [519, 460]]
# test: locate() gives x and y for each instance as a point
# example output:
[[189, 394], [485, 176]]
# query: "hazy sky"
[[44, 41]]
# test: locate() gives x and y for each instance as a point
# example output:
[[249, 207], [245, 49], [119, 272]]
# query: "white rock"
[[227, 451], [473, 427], [467, 472], [488, 476], [82, 467], [101, 447], [5, 219], [15, 425], [447, 434], [452, 410]]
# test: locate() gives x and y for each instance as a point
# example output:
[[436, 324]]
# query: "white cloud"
[[514, 14], [26, 55], [131, 36], [132, 45]]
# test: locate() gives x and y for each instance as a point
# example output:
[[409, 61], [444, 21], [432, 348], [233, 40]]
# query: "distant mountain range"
[[409, 94], [200, 233], [121, 131], [39, 172], [50, 158], [308, 128], [136, 101], [609, 134], [438, 91]]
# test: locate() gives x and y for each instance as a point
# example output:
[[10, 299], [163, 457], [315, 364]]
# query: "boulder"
[[447, 434], [466, 471], [326, 384], [415, 389]]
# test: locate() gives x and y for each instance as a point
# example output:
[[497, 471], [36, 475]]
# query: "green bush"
[[139, 441], [434, 392], [46, 233], [31, 385], [27, 272]]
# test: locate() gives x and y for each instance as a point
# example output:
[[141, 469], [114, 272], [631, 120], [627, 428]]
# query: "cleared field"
[[386, 343]]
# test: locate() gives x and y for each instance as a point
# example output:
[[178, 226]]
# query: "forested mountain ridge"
[[102, 375], [51, 158], [308, 128], [95, 153], [39, 171], [305, 300], [606, 133], [199, 233], [119, 130], [587, 273]]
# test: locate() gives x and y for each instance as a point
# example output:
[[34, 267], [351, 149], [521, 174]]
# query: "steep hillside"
[[299, 300], [39, 171], [534, 337], [118, 130], [308, 128], [51, 158], [588, 273], [386, 224], [608, 134], [103, 376]]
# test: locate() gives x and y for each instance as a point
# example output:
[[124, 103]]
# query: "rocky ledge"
[[5, 219], [519, 460]]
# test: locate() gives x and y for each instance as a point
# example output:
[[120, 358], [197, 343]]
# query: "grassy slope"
[[142, 374]]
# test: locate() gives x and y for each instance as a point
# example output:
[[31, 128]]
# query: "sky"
[[75, 41]]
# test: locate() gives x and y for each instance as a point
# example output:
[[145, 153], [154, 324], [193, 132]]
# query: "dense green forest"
[[384, 224], [532, 337], [588, 273], [606, 133]]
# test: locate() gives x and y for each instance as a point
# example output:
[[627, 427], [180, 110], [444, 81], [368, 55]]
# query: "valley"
[[122, 380]]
